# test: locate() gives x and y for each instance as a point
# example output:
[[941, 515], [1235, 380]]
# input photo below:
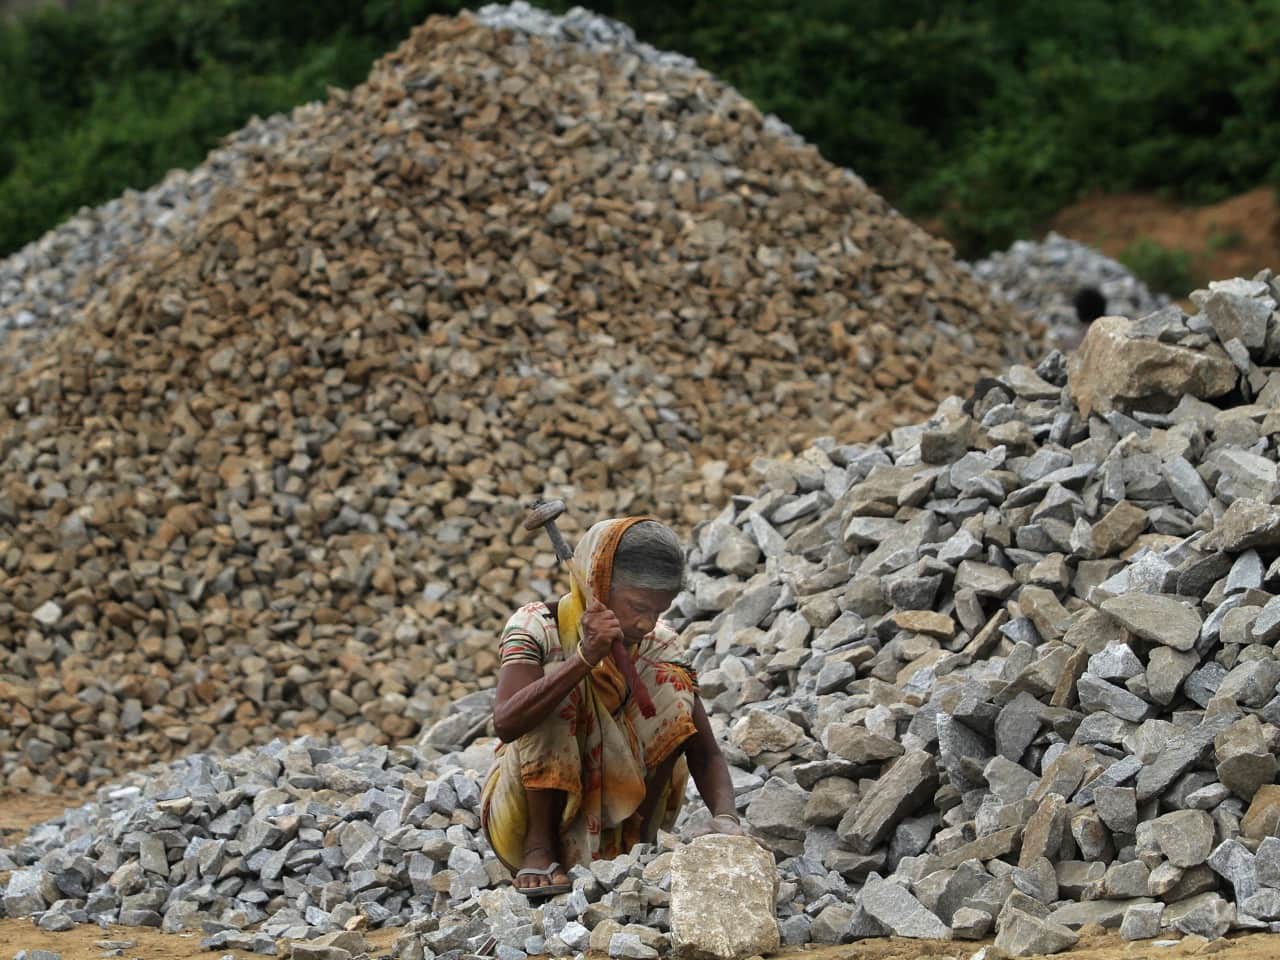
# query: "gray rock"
[[1245, 760], [629, 945], [1203, 683], [1118, 808], [984, 580], [893, 906], [1096, 694], [1104, 913], [1022, 935], [1185, 837], [1267, 862], [1126, 880], [795, 930], [1156, 617], [24, 895], [575, 936], [1038, 880], [1236, 864], [1116, 661], [1187, 486], [1207, 915], [906, 786], [1250, 683], [833, 924], [962, 752], [1240, 318], [970, 923], [1142, 921], [1177, 756], [1008, 780], [778, 809], [738, 555], [1266, 628], [722, 899], [1264, 904], [1077, 876], [1016, 726]]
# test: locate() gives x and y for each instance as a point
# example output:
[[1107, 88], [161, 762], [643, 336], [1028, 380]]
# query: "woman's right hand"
[[600, 629]]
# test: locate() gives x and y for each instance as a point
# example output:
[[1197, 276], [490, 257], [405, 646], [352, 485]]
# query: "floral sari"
[[597, 748]]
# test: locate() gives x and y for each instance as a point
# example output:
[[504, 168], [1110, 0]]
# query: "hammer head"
[[543, 512]]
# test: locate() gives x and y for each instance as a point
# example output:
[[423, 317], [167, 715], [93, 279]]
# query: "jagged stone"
[[1156, 617], [1113, 369], [1023, 935], [901, 790], [739, 878], [894, 907]]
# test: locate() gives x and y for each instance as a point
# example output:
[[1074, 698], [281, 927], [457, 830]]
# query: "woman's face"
[[638, 609]]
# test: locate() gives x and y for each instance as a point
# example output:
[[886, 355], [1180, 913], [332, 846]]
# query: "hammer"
[[543, 514]]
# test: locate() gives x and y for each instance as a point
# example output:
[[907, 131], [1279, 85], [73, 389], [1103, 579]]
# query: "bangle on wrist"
[[583, 657]]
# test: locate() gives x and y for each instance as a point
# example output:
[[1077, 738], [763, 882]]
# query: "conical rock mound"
[[274, 475]]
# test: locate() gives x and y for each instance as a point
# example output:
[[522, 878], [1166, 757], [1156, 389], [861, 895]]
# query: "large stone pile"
[[1017, 669], [1044, 277], [271, 478], [1013, 670], [45, 285], [295, 848]]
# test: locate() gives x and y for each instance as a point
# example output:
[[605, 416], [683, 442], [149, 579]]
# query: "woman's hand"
[[600, 629]]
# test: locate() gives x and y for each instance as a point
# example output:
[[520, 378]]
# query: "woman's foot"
[[540, 858]]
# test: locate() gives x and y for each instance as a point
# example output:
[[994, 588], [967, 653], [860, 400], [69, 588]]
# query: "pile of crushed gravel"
[[270, 474], [1011, 670]]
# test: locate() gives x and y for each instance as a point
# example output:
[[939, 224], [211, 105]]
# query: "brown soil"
[[1235, 238], [1101, 947], [149, 944], [19, 812]]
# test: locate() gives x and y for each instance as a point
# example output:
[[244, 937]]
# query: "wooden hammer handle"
[[620, 655]]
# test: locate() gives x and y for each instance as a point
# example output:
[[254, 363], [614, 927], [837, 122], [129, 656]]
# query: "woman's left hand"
[[729, 826]]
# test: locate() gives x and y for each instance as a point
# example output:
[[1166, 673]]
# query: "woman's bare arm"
[[708, 767], [527, 695]]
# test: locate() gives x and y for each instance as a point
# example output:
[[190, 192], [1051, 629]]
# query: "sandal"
[[546, 890]]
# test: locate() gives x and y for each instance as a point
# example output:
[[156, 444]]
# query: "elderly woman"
[[583, 773]]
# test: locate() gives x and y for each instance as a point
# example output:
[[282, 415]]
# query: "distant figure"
[[1090, 304]]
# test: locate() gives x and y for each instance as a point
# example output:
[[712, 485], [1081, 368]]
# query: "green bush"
[[987, 114], [1160, 268], [113, 94]]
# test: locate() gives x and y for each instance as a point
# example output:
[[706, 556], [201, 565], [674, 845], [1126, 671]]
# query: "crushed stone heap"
[[1012, 670], [45, 285], [1042, 278], [271, 479]]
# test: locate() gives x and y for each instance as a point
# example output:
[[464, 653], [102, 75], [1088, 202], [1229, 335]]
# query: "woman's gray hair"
[[650, 557]]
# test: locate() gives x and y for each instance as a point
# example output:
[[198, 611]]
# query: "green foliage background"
[[987, 113]]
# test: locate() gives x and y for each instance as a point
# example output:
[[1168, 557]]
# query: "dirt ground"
[[148, 944], [1235, 238]]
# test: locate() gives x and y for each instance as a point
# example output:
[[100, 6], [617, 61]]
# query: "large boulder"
[[1115, 369], [722, 899]]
